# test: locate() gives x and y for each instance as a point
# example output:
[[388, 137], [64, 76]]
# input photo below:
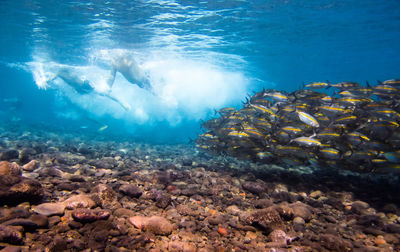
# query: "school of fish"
[[355, 127]]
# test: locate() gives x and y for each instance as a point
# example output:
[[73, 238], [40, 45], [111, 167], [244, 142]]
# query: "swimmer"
[[127, 66], [82, 85]]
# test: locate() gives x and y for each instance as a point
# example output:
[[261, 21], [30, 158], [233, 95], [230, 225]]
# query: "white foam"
[[183, 88]]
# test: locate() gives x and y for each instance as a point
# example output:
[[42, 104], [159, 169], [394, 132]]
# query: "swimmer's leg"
[[124, 106], [111, 78]]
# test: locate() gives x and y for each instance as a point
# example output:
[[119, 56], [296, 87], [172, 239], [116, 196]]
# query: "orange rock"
[[64, 219], [7, 168], [222, 231], [212, 211], [361, 236], [379, 240], [171, 188]]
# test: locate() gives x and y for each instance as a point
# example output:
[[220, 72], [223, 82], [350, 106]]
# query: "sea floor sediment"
[[76, 192]]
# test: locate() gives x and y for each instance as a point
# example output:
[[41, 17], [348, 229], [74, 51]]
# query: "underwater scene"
[[166, 125]]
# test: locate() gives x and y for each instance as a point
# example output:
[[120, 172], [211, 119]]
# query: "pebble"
[[53, 220], [9, 234], [122, 212], [106, 196], [163, 200], [31, 166], [233, 210], [222, 231], [315, 194], [49, 209], [155, 224], [131, 190], [138, 221], [379, 240], [268, 219], [40, 220], [79, 201], [301, 210], [263, 203], [359, 207], [298, 220], [26, 223], [280, 237], [254, 187], [89, 215], [50, 172], [216, 219]]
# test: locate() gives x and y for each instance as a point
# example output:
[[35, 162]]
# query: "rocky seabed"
[[68, 193]]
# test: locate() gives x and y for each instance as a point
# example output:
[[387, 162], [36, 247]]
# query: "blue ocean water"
[[197, 55]]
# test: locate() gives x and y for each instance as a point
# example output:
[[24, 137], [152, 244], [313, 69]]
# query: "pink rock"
[[155, 224], [89, 215], [138, 221]]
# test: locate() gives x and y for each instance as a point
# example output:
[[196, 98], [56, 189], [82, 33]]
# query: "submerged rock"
[[131, 190], [267, 218], [49, 209], [9, 155], [105, 196], [79, 201], [7, 168], [26, 154], [50, 172], [26, 223], [31, 166], [9, 234], [90, 215], [17, 189], [301, 210], [162, 199], [255, 187], [155, 224]]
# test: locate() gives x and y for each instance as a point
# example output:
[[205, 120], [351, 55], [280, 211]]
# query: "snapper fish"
[[276, 96], [392, 82], [308, 119], [345, 85], [317, 85], [103, 128], [307, 141]]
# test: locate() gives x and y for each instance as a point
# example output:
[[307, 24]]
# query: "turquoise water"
[[197, 56]]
